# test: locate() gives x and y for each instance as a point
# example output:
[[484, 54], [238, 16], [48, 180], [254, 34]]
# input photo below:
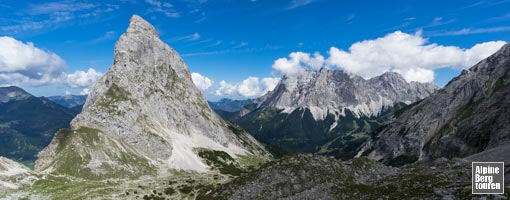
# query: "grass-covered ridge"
[[87, 153]]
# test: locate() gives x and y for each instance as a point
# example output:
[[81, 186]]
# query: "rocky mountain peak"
[[148, 102], [138, 25], [391, 77]]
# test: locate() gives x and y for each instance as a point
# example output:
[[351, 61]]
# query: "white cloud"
[[469, 31], [250, 87], [269, 84], [410, 55], [80, 79], [191, 37], [163, 7], [64, 6], [23, 64], [297, 62], [417, 74], [298, 3], [51, 15], [85, 91], [110, 35], [226, 89], [202, 82]]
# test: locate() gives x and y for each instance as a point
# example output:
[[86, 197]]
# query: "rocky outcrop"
[[315, 177], [144, 116], [12, 175], [469, 115]]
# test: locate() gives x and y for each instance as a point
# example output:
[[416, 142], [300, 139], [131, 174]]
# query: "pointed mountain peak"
[[145, 107], [388, 77], [139, 25], [391, 75]]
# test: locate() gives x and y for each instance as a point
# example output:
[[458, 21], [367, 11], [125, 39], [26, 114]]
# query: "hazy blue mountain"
[[228, 108], [69, 101]]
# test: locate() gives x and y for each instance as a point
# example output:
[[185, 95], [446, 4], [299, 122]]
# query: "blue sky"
[[238, 41]]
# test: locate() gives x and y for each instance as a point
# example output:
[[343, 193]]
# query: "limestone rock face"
[[331, 92], [10, 168], [147, 105], [12, 174], [469, 115]]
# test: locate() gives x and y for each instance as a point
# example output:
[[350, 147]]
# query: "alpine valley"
[[147, 132]]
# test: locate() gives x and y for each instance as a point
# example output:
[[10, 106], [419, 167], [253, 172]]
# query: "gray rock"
[[331, 92]]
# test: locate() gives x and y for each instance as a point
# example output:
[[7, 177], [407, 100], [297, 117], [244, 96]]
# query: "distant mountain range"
[[69, 100], [328, 112], [228, 108], [230, 105], [28, 123]]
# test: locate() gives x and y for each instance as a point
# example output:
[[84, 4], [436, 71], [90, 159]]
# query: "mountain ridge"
[[347, 90]]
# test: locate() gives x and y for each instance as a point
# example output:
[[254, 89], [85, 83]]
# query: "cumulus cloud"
[[202, 82], [250, 87], [23, 64], [226, 89], [408, 54], [298, 62], [269, 84], [85, 91], [83, 78]]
